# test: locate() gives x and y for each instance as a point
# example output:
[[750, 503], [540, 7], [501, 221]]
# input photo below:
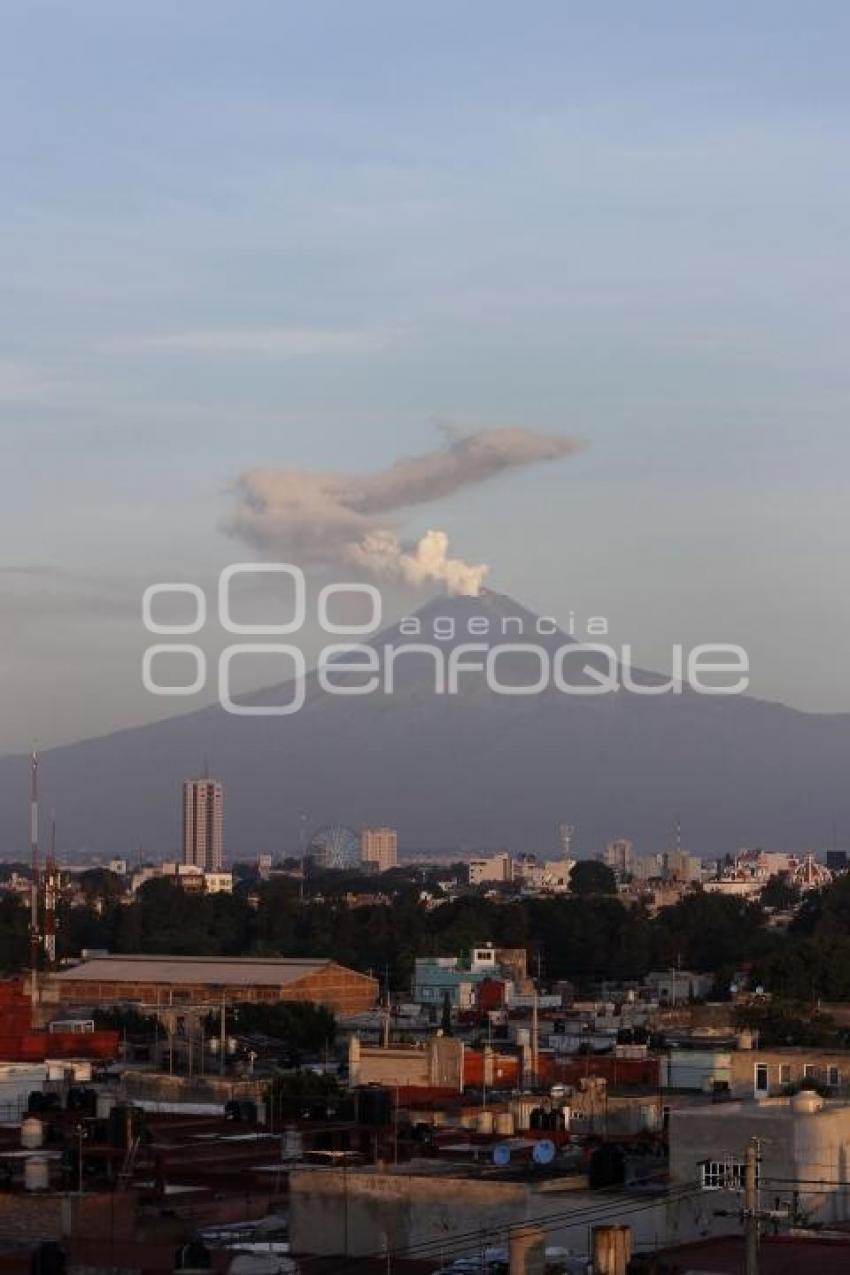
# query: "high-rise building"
[[379, 846], [566, 832], [203, 814], [619, 857]]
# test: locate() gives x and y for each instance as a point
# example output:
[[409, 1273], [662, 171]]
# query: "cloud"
[[267, 342], [336, 519]]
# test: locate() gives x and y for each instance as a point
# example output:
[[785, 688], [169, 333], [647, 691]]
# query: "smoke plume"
[[336, 519]]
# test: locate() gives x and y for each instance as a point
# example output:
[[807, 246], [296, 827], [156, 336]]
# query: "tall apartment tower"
[[379, 846], [203, 814]]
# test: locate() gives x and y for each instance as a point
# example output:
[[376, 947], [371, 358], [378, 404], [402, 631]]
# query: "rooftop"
[[269, 971]]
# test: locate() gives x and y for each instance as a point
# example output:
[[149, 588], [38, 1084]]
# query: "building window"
[[761, 1081], [833, 1076], [784, 1073], [810, 1071], [724, 1175]]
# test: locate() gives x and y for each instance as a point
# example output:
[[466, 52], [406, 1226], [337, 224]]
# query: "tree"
[[591, 877], [780, 893], [14, 933], [301, 1025], [705, 931]]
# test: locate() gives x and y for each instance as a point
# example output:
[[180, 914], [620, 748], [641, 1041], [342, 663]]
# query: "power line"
[[546, 1221]]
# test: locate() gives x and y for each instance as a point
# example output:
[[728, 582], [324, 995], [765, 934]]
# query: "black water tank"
[[194, 1256], [607, 1167], [82, 1100], [126, 1123], [375, 1105]]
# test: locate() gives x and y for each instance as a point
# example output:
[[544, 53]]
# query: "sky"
[[287, 234]]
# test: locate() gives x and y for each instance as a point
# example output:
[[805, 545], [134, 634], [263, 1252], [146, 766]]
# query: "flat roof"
[[222, 971], [760, 1109]]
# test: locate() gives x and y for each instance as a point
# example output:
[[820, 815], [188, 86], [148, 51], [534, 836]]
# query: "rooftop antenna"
[[34, 885], [50, 891]]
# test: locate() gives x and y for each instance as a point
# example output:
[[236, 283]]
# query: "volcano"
[[465, 771]]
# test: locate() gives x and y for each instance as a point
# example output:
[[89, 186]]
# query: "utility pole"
[[50, 892], [751, 1214], [222, 1046]]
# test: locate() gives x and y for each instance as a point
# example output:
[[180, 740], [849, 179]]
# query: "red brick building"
[[184, 980]]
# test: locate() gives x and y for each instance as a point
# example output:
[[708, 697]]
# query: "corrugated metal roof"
[[220, 971]]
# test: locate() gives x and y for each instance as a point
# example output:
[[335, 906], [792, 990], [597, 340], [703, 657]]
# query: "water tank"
[[105, 1103], [806, 1102], [292, 1147], [82, 1099], [484, 1122], [523, 1109], [194, 1256], [36, 1173], [607, 1167], [375, 1105], [504, 1124], [125, 1124], [32, 1134]]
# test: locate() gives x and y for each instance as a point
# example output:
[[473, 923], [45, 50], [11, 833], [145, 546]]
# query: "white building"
[[497, 868], [802, 1154], [186, 875], [547, 878]]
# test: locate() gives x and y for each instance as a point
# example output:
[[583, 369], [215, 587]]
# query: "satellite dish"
[[544, 1151], [501, 1154]]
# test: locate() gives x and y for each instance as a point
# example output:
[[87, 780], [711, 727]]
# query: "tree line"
[[585, 939]]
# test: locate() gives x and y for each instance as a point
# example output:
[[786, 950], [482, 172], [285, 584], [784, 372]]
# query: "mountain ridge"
[[470, 770]]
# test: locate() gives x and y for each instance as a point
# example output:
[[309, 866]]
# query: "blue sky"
[[274, 233]]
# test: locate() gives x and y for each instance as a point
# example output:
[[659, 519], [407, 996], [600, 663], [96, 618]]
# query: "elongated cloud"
[[337, 519]]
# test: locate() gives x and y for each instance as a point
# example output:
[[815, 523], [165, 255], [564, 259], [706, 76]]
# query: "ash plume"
[[330, 519]]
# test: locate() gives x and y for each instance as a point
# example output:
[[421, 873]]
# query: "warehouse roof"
[[219, 970]]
